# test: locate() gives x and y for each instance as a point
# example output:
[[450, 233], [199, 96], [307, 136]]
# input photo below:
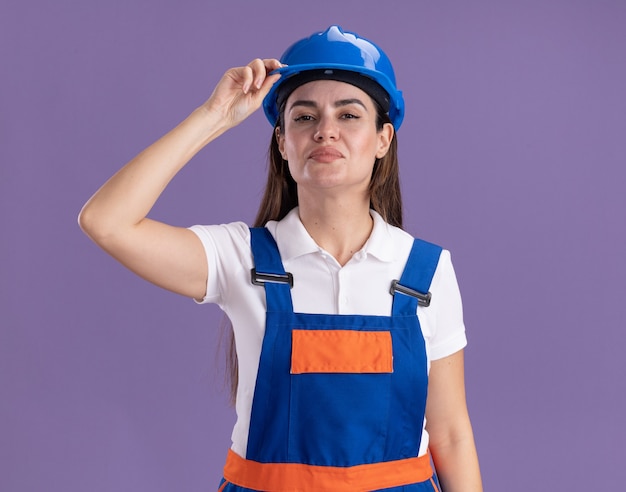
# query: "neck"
[[339, 225]]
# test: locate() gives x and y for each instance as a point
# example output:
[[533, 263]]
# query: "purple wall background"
[[512, 153]]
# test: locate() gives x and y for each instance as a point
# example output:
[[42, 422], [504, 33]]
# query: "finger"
[[272, 64], [259, 72], [247, 78], [266, 86], [269, 81]]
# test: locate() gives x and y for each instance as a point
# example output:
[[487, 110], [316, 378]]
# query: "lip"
[[325, 154]]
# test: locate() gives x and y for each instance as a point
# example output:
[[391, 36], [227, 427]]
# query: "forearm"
[[457, 466], [126, 198], [449, 427]]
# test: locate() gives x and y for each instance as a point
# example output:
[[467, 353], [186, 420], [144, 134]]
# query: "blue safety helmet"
[[337, 55]]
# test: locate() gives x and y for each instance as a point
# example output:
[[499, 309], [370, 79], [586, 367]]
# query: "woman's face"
[[330, 139]]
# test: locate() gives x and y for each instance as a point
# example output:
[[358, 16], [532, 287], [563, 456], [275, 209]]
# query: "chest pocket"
[[341, 351]]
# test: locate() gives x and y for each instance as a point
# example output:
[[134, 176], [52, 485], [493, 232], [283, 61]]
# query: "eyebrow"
[[337, 104]]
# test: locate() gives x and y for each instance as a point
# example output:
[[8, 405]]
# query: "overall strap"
[[412, 288], [269, 271]]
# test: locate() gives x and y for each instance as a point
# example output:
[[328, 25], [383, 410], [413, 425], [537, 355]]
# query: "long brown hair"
[[281, 196]]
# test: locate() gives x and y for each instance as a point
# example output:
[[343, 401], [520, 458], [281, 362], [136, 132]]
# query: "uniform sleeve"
[[445, 312], [227, 249]]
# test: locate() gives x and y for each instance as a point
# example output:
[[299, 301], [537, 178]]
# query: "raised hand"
[[241, 90]]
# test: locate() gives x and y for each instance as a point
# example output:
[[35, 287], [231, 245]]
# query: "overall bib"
[[339, 400]]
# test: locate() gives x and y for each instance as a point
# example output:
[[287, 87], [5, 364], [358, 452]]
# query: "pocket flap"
[[341, 351]]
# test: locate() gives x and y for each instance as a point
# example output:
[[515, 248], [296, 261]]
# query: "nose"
[[326, 130]]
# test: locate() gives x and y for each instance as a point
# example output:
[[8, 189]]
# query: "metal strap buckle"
[[422, 299], [262, 278]]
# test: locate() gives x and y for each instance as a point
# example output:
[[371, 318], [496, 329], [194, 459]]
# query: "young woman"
[[341, 320]]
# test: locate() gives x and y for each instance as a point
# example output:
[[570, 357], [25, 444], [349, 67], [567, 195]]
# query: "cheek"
[[290, 146], [371, 147], [288, 151]]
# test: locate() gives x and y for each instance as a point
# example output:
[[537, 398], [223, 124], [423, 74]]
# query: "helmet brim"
[[396, 101]]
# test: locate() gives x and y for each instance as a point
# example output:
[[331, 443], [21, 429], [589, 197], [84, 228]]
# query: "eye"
[[350, 116], [303, 118]]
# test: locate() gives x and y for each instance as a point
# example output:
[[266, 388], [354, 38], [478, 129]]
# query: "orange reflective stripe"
[[291, 477], [341, 351], [432, 482]]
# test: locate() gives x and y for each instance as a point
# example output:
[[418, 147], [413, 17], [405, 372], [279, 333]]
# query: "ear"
[[280, 140], [385, 136]]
